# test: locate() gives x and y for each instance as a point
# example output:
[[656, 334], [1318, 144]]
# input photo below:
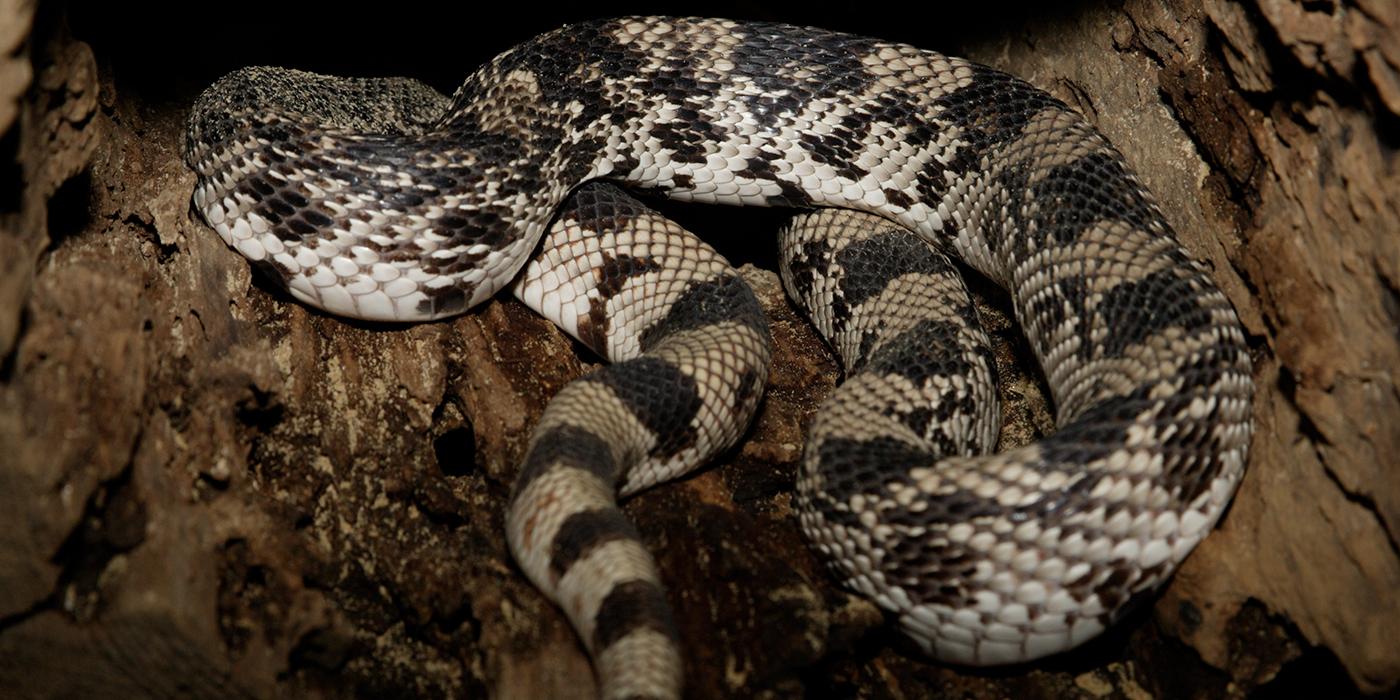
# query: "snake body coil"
[[381, 199]]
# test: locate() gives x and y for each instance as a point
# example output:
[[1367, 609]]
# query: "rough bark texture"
[[209, 490]]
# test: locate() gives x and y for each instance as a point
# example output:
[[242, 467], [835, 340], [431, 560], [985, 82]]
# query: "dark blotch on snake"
[[726, 298], [568, 446], [583, 532], [659, 395], [871, 263], [632, 606]]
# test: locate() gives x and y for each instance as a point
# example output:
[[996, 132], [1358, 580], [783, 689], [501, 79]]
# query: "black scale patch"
[[770, 53], [632, 606], [805, 263], [992, 110], [617, 269], [1097, 187], [567, 446], [760, 167], [612, 274], [1140, 309], [726, 298], [659, 395], [445, 300], [850, 467], [929, 348], [581, 533], [870, 264]]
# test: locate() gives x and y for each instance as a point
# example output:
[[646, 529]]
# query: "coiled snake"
[[381, 199]]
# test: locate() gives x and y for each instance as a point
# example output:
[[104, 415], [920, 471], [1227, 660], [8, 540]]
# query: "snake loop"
[[382, 199]]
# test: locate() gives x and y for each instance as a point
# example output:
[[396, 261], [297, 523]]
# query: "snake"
[[382, 199]]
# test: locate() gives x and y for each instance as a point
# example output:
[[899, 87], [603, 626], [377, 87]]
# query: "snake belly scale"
[[382, 199]]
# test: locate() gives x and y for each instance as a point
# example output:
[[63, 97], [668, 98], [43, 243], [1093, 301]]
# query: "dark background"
[[178, 52]]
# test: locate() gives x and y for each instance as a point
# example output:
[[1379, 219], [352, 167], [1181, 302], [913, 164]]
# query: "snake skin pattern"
[[381, 199]]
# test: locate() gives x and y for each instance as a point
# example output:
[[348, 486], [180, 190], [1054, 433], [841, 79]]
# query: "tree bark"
[[209, 490]]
